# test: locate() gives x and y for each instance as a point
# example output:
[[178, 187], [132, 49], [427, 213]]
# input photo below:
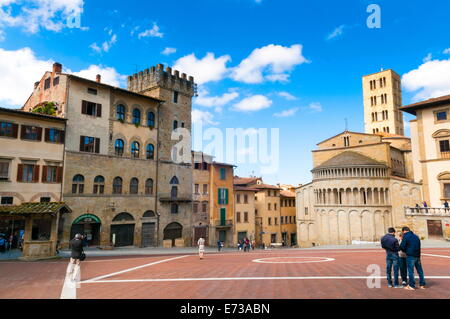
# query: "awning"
[[35, 209]]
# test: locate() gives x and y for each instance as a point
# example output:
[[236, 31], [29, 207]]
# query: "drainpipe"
[[157, 172]]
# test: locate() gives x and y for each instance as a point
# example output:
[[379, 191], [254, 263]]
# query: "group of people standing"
[[246, 245], [403, 255]]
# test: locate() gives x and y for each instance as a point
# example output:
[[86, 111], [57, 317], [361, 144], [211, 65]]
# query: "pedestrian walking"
[[77, 255], [247, 245], [219, 245], [411, 246], [446, 206], [402, 263], [201, 247], [391, 245]]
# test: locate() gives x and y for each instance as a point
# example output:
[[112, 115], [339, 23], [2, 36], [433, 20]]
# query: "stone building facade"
[[120, 178], [245, 212], [174, 177], [31, 175], [430, 133], [382, 101], [356, 193]]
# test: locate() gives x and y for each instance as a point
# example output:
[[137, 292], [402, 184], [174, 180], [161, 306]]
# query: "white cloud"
[[153, 32], [252, 103], [106, 46], [446, 51], [336, 32], [429, 80], [19, 70], [315, 107], [203, 70], [169, 51], [287, 113], [202, 117], [288, 96], [109, 75], [33, 15], [272, 62], [428, 58], [204, 99]]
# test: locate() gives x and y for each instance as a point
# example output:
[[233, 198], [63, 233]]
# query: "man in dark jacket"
[[411, 246], [76, 246], [390, 244]]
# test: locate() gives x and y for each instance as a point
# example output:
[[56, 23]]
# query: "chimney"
[[98, 78], [57, 68]]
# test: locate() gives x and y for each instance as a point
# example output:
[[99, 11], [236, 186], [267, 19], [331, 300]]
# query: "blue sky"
[[292, 65]]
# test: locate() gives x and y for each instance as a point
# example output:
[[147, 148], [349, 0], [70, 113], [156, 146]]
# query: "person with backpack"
[[411, 246], [76, 257]]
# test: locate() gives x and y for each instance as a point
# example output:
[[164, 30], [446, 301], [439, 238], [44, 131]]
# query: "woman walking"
[[201, 247]]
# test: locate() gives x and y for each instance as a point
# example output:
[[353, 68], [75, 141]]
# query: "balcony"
[[223, 224], [445, 154], [168, 197], [429, 211]]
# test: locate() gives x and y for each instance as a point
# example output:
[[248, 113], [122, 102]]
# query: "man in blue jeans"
[[390, 244], [411, 246]]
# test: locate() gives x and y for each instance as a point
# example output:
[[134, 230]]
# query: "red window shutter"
[[39, 133], [19, 172], [44, 174], [97, 145], [83, 107], [36, 174], [47, 135], [59, 173], [15, 129], [99, 110], [62, 137], [81, 143]]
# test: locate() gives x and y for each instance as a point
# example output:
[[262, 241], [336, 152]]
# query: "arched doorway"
[[88, 225], [173, 231], [122, 230]]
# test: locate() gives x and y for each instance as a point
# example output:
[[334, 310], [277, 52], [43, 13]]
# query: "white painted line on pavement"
[[249, 278], [442, 256], [134, 268]]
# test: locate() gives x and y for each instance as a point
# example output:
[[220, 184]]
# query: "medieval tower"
[[382, 100], [174, 180]]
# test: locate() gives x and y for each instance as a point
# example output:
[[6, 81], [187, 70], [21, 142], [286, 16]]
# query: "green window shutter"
[[219, 193], [226, 196]]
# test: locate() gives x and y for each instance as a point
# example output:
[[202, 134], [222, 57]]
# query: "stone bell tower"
[[174, 180]]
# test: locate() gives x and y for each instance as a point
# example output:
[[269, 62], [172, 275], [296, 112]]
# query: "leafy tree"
[[47, 108]]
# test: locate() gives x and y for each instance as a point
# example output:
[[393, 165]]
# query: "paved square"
[[272, 274]]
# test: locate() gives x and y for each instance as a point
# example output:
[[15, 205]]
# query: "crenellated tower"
[[174, 181]]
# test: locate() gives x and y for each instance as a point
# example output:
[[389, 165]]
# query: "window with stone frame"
[[150, 152], [7, 200], [238, 217], [134, 186], [31, 133], [119, 147], [99, 185], [78, 184], [91, 108], [205, 189], [8, 129], [4, 169], [51, 174], [245, 217], [120, 112], [204, 207], [117, 185], [54, 135], [135, 149], [447, 190], [89, 144], [136, 117], [195, 207], [149, 187], [28, 173], [245, 199]]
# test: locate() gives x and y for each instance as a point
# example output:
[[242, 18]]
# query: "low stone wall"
[[38, 250]]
